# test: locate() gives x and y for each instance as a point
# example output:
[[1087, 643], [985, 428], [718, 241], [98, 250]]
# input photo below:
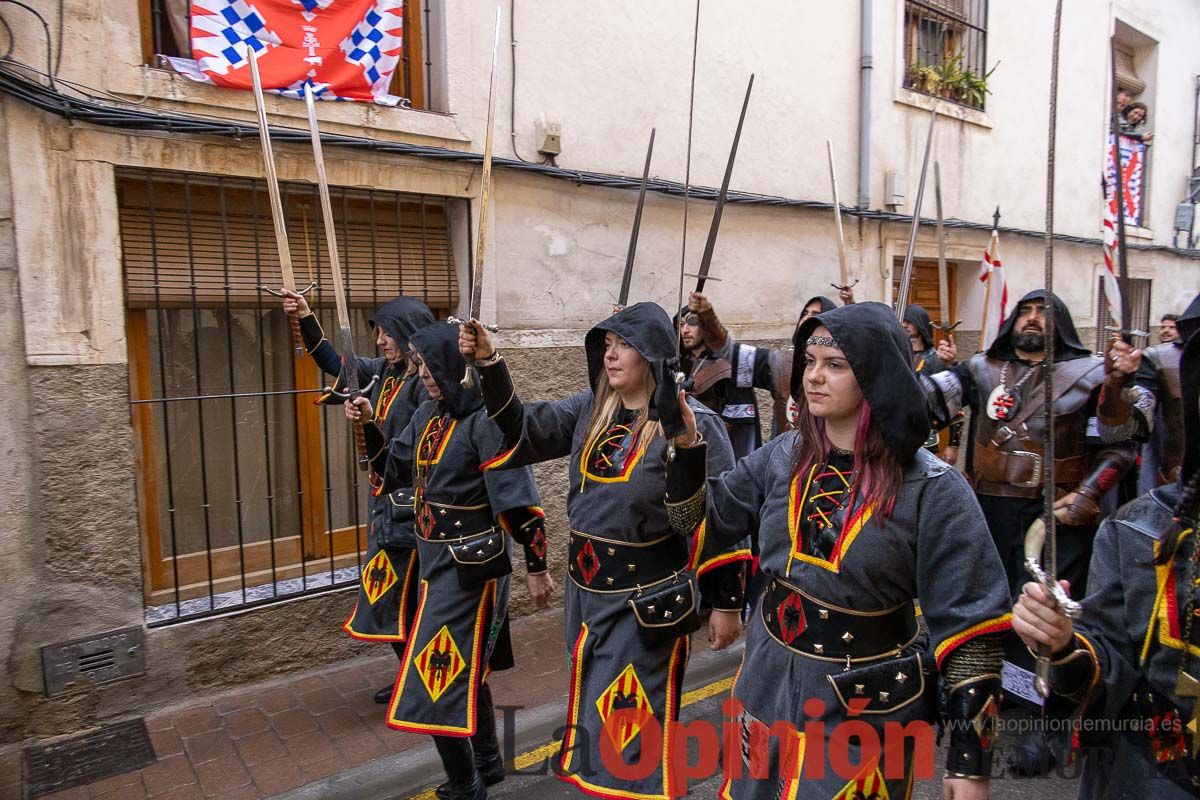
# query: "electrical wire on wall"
[[90, 109], [51, 68], [512, 94]]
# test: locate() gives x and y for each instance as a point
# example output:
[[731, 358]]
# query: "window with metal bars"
[[945, 49], [166, 26], [247, 491], [1139, 310]]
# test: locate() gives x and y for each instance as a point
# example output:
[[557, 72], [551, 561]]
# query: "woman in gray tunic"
[[1127, 674], [463, 515], [630, 568], [387, 595], [857, 523]]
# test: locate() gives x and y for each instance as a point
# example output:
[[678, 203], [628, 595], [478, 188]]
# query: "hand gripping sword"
[[906, 273], [843, 265], [1045, 571], [623, 297], [345, 338], [485, 196], [701, 275], [945, 326], [281, 240]]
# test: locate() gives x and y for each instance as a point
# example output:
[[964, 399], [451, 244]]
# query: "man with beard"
[[1142, 398], [1005, 390]]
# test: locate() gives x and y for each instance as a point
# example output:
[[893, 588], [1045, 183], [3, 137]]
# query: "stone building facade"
[[165, 470]]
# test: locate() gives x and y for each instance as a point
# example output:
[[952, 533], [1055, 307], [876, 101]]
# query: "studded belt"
[[438, 522], [597, 564], [827, 632]]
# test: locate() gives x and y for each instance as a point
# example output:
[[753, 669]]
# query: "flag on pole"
[[343, 49], [995, 303]]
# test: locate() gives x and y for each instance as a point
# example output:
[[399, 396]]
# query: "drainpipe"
[[865, 68]]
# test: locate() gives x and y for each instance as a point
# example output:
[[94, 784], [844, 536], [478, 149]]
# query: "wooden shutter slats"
[[231, 256]]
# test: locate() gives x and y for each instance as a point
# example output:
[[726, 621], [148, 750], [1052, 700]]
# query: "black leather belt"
[[605, 565], [819, 630], [444, 522]]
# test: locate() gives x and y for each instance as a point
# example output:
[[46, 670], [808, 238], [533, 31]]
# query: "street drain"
[[111, 750]]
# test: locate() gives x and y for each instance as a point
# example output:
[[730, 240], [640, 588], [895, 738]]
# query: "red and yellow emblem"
[[439, 663], [377, 577], [624, 694], [869, 785]]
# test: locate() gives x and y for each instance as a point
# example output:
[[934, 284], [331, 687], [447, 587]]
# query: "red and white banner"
[[1112, 287], [995, 298], [342, 49]]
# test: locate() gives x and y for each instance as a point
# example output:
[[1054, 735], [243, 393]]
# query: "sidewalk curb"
[[413, 770]]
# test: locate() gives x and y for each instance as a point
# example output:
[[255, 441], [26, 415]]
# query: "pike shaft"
[[264, 138]]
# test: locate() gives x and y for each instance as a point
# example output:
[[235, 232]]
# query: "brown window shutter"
[[213, 240]]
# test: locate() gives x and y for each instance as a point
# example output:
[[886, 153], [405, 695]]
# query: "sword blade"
[[943, 280], [623, 297], [1119, 196], [837, 218], [722, 198], [264, 137], [485, 186], [345, 339], [906, 273]]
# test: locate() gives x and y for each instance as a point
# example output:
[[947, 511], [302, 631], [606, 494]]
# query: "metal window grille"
[[247, 491], [1139, 309], [940, 34], [169, 23]]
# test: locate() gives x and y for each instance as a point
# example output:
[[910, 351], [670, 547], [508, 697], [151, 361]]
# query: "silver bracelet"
[[494, 358]]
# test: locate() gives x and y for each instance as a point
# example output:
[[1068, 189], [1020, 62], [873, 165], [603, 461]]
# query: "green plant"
[[950, 74], [924, 78]]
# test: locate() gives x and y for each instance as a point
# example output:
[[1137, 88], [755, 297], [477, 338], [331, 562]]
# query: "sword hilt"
[[1125, 331], [488, 328], [353, 394], [293, 322], [948, 329], [1068, 607], [277, 293], [360, 447], [845, 287]]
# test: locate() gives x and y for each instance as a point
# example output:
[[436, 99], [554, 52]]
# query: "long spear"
[[944, 323]]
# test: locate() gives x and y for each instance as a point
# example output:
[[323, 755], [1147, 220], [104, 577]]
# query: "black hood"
[[648, 329], [401, 318], [437, 345], [826, 303], [1189, 379], [880, 354], [1189, 321], [1067, 346], [918, 317], [645, 326]]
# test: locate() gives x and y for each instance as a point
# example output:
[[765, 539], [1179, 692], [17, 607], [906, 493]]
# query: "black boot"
[[489, 763], [486, 745], [384, 695], [1030, 756], [465, 782]]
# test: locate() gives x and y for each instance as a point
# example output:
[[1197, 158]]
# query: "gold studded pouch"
[[667, 610], [886, 686], [481, 558]]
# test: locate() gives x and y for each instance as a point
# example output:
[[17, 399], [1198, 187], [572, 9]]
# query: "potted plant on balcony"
[[924, 78]]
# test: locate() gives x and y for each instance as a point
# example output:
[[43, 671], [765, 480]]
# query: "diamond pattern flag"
[[341, 49]]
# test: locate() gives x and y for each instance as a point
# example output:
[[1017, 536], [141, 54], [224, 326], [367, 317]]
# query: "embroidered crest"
[[537, 544], [1001, 406], [987, 723], [439, 663], [588, 562], [791, 618], [378, 576], [624, 694], [869, 785]]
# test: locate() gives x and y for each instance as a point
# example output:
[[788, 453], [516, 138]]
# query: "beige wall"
[[608, 73]]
